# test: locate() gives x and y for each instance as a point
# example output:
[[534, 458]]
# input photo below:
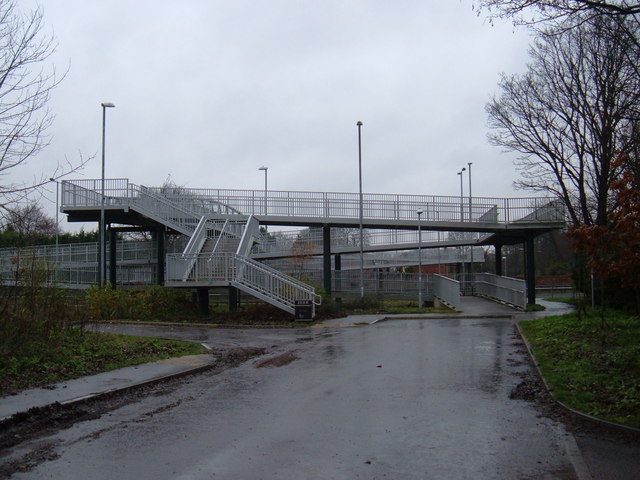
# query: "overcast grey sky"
[[208, 91]]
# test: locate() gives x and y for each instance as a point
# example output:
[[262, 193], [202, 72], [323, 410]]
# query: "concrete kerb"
[[573, 411], [441, 316], [142, 383], [121, 389]]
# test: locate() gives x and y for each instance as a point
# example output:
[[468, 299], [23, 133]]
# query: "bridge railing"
[[505, 289], [290, 242], [387, 206], [86, 193], [76, 265], [380, 283]]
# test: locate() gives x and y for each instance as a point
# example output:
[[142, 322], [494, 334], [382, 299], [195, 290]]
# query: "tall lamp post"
[[57, 213], [359, 124], [470, 204], [439, 248], [470, 219], [265, 187], [102, 234], [419, 212], [461, 194], [461, 220]]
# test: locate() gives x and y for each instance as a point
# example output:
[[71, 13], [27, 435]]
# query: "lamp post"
[[470, 219], [470, 204], [102, 239], [461, 195], [419, 212], [57, 208], [359, 124], [461, 220], [439, 248], [265, 187]]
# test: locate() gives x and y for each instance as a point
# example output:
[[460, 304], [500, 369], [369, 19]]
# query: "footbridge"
[[223, 226]]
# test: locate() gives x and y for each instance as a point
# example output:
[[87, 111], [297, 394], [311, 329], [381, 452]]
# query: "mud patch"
[[28, 461], [305, 339], [516, 363], [279, 360], [44, 421], [238, 355], [529, 389]]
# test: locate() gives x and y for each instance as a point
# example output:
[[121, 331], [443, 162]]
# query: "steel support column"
[[113, 242], [326, 258], [203, 301], [530, 269], [233, 299], [498, 254], [338, 268], [161, 256]]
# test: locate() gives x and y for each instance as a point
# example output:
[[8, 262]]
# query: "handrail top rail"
[[189, 191]]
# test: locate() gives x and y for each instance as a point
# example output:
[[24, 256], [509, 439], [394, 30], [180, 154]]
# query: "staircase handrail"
[[252, 226], [300, 287], [195, 241], [143, 193], [186, 195], [237, 268]]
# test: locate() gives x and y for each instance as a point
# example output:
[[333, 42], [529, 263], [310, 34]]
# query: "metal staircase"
[[218, 250], [220, 238]]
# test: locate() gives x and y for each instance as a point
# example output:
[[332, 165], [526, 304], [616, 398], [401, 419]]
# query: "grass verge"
[[74, 353], [591, 362], [570, 300]]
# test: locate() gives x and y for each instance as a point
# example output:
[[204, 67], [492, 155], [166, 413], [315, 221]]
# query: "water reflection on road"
[[399, 399]]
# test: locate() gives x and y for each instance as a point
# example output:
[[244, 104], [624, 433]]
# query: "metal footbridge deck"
[[223, 224], [81, 200]]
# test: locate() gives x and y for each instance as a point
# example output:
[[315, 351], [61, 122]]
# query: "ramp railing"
[[512, 291], [447, 290]]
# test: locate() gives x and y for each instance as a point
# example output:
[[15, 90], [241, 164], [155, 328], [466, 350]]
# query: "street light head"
[[419, 212], [359, 123], [107, 105], [263, 168], [464, 169]]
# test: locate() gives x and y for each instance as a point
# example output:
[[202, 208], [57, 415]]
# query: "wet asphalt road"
[[412, 399]]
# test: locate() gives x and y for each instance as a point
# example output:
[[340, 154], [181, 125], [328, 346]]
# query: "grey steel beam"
[[203, 301], [112, 257], [160, 248], [530, 270], [498, 255], [326, 255]]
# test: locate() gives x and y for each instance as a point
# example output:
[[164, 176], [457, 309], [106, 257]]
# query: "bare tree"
[[30, 219], [25, 90], [530, 12], [570, 115]]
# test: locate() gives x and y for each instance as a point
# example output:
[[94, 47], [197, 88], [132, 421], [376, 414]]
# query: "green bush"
[[152, 303], [40, 340], [107, 303], [32, 312]]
